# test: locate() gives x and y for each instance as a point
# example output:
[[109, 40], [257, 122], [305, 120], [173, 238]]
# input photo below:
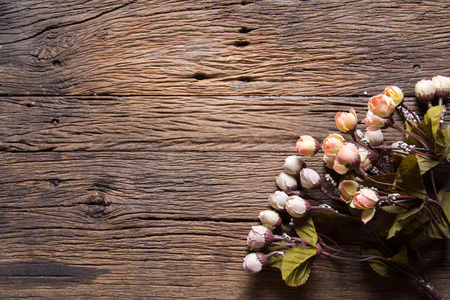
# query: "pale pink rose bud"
[[329, 161], [364, 198], [442, 85], [254, 262], [278, 200], [297, 207], [270, 218], [293, 165], [381, 105], [332, 144], [286, 182], [374, 122], [347, 189], [348, 156], [310, 179], [365, 162], [346, 122], [375, 138], [425, 91], [395, 93], [259, 237], [307, 145]]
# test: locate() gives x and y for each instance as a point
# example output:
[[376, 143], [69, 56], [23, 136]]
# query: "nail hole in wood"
[[54, 182], [241, 43], [200, 76], [56, 64], [417, 68], [245, 79], [54, 122], [243, 2], [245, 29]]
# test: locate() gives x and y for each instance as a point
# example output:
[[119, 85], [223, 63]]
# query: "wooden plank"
[[175, 123], [228, 47], [164, 259], [115, 186]]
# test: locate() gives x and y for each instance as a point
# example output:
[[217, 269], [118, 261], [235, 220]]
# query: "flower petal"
[[367, 215]]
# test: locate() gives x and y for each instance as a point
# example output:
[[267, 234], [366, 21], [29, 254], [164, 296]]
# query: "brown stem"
[[415, 136]]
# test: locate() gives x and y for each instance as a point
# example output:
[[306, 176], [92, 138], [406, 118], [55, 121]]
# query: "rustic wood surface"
[[140, 139]]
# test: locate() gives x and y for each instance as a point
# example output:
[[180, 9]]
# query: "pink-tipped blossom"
[[297, 207], [381, 105], [332, 143], [365, 199], [278, 200], [307, 145], [374, 122], [346, 122], [254, 262], [259, 237], [310, 179], [348, 156]]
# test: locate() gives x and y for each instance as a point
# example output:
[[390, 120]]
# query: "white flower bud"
[[374, 137], [259, 237], [293, 165], [254, 262], [286, 182], [270, 218], [442, 84], [425, 91], [278, 200], [297, 207], [310, 179]]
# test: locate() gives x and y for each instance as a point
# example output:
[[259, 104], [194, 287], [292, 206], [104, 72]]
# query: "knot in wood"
[[95, 204]]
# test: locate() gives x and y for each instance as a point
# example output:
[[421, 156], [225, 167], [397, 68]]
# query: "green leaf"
[[329, 220], [296, 265], [426, 164], [384, 222], [408, 177], [433, 118], [382, 268], [402, 219], [305, 229], [444, 198], [443, 142], [275, 260], [423, 127]]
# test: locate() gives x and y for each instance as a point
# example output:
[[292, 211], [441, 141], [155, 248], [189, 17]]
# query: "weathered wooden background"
[[140, 139]]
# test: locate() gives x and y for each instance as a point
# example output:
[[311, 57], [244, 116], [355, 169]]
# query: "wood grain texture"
[[173, 123], [50, 254], [228, 47], [140, 139]]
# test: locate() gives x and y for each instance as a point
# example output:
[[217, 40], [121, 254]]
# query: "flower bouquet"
[[389, 190]]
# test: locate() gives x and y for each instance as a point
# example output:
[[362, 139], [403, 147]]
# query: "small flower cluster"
[[374, 179]]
